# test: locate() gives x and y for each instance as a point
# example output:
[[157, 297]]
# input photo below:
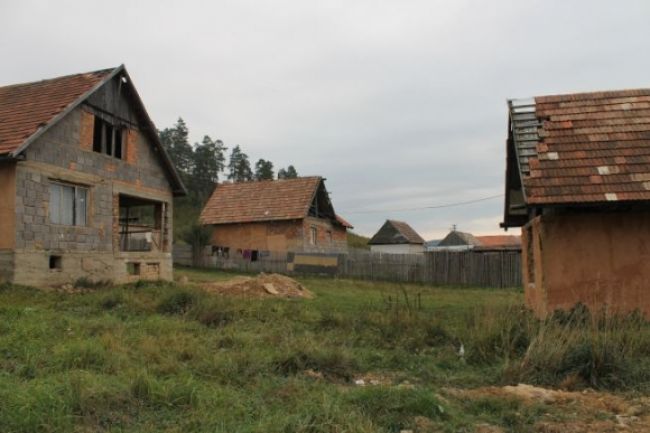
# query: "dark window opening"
[[142, 224], [55, 263], [133, 268], [108, 138], [254, 255]]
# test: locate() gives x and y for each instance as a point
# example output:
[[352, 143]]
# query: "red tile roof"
[[591, 147], [25, 108], [499, 241], [268, 200], [344, 222]]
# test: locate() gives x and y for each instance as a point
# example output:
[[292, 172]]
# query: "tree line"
[[200, 167]]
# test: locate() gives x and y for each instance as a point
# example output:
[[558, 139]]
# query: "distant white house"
[[396, 237]]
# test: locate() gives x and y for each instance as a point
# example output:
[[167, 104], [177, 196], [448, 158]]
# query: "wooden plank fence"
[[456, 268]]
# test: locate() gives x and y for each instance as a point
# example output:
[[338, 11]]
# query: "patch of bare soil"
[[583, 412], [262, 286]]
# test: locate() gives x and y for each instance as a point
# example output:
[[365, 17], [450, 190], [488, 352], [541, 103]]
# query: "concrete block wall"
[[64, 153]]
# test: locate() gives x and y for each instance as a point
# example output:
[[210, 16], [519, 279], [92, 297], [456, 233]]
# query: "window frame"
[[111, 136], [313, 235], [76, 200]]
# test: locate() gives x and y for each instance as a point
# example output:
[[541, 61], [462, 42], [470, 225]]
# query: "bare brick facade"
[[91, 190]]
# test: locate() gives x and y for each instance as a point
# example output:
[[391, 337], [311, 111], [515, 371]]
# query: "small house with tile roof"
[[251, 219], [462, 241], [578, 184], [396, 237], [86, 187]]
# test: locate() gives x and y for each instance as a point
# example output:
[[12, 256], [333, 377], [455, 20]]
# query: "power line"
[[440, 206]]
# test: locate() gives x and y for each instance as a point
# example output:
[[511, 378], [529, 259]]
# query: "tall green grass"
[[150, 357]]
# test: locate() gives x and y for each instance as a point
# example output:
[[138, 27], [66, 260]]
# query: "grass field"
[[165, 357]]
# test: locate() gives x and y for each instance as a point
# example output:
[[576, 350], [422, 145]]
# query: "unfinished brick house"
[[578, 183], [251, 219], [85, 185]]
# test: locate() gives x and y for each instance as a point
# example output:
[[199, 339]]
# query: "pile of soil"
[[262, 286]]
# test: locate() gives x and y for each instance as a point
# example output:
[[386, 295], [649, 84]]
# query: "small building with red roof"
[[250, 219], [578, 185]]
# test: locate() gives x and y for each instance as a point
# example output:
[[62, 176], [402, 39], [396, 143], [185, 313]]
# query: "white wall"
[[398, 249]]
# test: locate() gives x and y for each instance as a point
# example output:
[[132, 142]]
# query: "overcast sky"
[[401, 105]]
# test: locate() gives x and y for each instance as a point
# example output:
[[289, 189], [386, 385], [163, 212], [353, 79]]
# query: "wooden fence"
[[457, 268]]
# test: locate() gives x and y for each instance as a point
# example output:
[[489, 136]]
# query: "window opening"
[[142, 224], [68, 204], [108, 138], [56, 263], [133, 268]]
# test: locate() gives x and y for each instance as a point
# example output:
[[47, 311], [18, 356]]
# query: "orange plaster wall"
[[598, 259], [263, 236], [7, 206]]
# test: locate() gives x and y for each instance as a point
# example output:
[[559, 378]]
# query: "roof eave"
[[43, 129], [180, 190]]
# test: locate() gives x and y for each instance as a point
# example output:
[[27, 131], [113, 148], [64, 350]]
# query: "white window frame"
[[78, 200]]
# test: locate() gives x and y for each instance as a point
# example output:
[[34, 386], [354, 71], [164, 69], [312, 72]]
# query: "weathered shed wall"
[[598, 259]]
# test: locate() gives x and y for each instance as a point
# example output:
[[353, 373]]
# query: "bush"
[[601, 351], [177, 302], [497, 334], [213, 312], [87, 283], [334, 364], [112, 300]]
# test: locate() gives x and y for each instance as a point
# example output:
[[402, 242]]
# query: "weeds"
[[153, 356], [87, 283], [177, 302]]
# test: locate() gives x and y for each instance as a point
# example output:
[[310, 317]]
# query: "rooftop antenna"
[[453, 227]]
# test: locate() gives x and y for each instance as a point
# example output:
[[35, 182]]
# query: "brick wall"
[[64, 153], [281, 236]]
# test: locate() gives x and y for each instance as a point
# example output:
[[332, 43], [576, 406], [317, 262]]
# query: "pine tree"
[[209, 161], [239, 168], [176, 142], [263, 170], [288, 173]]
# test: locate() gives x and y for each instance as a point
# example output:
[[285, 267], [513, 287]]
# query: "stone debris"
[[262, 286], [593, 412], [270, 288]]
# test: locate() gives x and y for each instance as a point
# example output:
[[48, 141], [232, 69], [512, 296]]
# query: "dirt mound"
[[262, 286], [592, 412]]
